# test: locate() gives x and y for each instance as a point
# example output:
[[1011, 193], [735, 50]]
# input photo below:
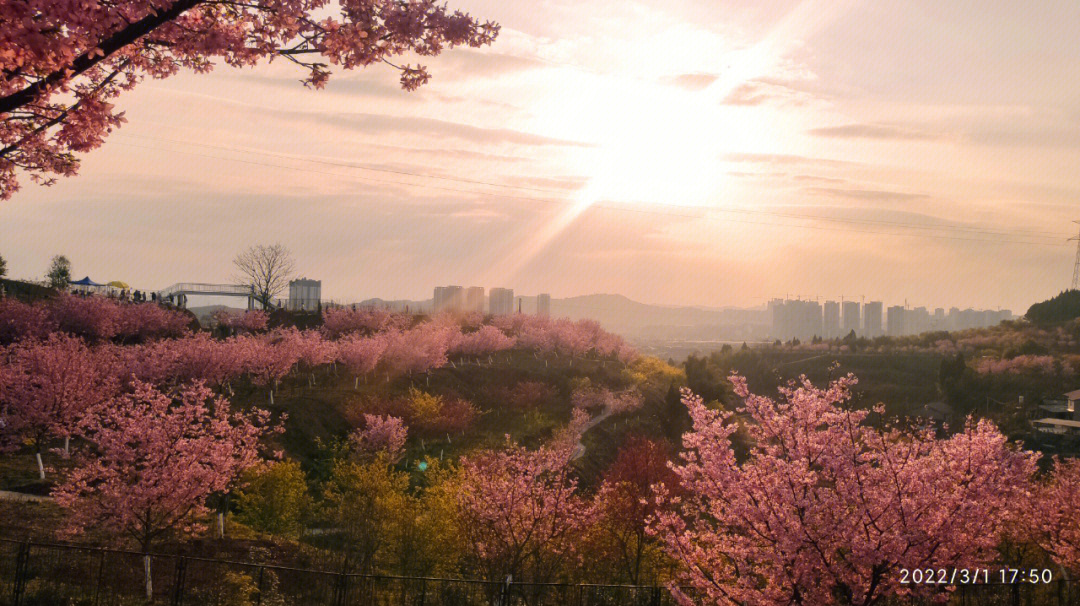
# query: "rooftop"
[[1059, 422]]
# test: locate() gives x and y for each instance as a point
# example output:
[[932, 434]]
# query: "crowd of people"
[[123, 295]]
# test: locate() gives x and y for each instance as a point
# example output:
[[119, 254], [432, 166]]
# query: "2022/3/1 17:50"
[[975, 576]]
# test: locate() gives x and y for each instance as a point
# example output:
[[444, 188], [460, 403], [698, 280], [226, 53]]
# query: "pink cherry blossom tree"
[[50, 385], [64, 64], [420, 348], [199, 358], [380, 434], [519, 512], [252, 320], [484, 341], [268, 359], [92, 318], [360, 355], [20, 321], [312, 352], [144, 322], [154, 460], [826, 508], [1052, 519], [339, 322]]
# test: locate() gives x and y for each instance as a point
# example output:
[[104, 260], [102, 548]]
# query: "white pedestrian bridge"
[[179, 292]]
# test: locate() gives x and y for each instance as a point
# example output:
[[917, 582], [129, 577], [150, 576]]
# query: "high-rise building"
[[831, 320], [872, 319], [852, 317], [894, 321], [304, 294], [917, 321], [795, 319], [938, 321], [474, 299], [448, 298], [952, 320], [543, 305], [501, 301]]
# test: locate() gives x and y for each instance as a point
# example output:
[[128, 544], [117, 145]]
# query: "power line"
[[702, 214]]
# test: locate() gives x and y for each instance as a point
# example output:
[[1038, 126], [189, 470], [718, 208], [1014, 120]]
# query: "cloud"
[[758, 158], [817, 179], [873, 131], [870, 195], [763, 90], [747, 93], [466, 63], [1038, 137], [692, 82], [566, 183], [384, 124]]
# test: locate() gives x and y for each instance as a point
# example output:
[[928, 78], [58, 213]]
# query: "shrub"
[[275, 498]]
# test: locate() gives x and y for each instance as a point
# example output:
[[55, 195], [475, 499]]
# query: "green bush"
[[275, 498]]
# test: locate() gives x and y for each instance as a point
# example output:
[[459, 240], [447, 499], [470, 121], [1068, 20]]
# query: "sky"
[[685, 153]]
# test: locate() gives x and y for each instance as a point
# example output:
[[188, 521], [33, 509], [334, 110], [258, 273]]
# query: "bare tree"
[[266, 270]]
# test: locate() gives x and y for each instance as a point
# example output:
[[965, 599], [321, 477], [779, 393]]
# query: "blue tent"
[[85, 282]]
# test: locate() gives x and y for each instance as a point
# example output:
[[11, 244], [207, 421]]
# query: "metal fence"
[[33, 574], [39, 574]]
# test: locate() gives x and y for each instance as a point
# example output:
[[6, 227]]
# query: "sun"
[[663, 145]]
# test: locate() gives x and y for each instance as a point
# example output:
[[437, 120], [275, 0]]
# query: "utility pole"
[[1076, 266]]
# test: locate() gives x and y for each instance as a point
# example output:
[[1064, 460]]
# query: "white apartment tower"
[[501, 301], [474, 299], [543, 305]]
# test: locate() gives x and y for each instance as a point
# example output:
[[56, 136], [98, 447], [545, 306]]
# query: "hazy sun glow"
[[660, 145], [693, 152]]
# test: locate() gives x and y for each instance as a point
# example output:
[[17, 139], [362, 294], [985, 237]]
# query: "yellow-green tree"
[[366, 500], [274, 498]]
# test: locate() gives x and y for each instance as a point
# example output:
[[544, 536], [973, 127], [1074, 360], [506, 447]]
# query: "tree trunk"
[[221, 524], [67, 446], [149, 578], [271, 396], [356, 383], [40, 466]]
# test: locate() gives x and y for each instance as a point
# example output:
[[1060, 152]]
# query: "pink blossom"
[[381, 434], [63, 64], [826, 505], [339, 322], [519, 512], [487, 340], [49, 386], [155, 458]]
